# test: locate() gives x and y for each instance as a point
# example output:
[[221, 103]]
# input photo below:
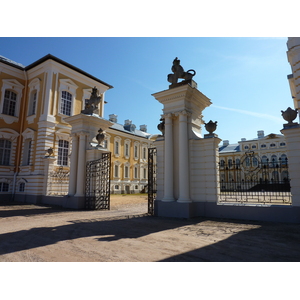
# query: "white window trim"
[[16, 87], [10, 134], [66, 136], [34, 85], [127, 142], [117, 139], [107, 138], [136, 144], [69, 86], [127, 165], [117, 164]]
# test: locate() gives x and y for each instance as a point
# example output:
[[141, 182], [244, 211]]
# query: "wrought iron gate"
[[151, 179], [253, 180], [97, 191]]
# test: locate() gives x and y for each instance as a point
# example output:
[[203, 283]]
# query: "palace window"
[[9, 104], [66, 103], [63, 152], [22, 187], [32, 103], [263, 146], [117, 148], [282, 144], [272, 145], [126, 172], [126, 150], [136, 172], [27, 152], [4, 186], [116, 171], [5, 149]]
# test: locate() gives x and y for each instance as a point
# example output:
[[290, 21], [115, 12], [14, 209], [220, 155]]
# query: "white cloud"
[[251, 113]]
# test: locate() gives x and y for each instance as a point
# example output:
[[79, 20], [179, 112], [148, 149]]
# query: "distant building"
[[269, 150], [35, 141]]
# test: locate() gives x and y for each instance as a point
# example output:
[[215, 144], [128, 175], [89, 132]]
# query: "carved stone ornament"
[[179, 73], [100, 137], [91, 107], [211, 126], [289, 115], [161, 126]]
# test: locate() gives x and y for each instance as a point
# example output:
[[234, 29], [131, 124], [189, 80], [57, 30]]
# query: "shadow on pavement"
[[270, 242]]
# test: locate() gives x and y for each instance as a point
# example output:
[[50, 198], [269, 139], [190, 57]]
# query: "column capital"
[[167, 116]]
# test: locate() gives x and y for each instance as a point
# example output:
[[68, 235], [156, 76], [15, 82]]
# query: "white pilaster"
[[73, 166], [81, 165], [184, 194], [168, 184]]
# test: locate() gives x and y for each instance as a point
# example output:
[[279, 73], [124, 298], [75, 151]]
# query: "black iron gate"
[[97, 191], [253, 180], [151, 179]]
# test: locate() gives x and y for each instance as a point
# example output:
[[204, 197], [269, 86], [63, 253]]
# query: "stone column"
[[292, 137], [184, 195], [168, 183], [73, 165], [81, 165]]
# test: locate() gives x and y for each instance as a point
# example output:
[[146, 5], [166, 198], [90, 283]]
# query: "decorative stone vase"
[[161, 126], [100, 136], [211, 126], [289, 115]]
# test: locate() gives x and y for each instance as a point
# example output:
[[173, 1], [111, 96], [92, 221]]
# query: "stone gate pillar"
[[84, 130], [180, 168], [291, 132]]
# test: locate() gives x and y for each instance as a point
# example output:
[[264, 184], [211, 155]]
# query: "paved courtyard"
[[126, 233]]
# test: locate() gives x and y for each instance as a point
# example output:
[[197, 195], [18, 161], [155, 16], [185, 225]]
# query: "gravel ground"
[[32, 233]]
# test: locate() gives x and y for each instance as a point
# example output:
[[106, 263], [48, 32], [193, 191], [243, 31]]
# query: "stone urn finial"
[[289, 115], [161, 126], [100, 136], [211, 126]]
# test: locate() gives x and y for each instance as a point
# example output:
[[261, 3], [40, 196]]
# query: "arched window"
[[283, 160], [274, 160], [63, 152], [4, 187], [22, 187], [264, 160], [9, 104], [5, 150]]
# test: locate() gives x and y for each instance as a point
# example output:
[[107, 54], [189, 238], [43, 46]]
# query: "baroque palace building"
[[35, 140], [269, 150]]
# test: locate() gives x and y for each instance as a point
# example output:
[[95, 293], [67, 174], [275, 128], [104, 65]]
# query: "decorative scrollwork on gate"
[[151, 179], [58, 182], [252, 179], [97, 190]]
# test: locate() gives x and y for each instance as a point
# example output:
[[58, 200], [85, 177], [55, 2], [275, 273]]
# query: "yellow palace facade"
[[35, 139]]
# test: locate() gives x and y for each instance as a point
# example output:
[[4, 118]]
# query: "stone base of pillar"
[[267, 213], [74, 202], [173, 209]]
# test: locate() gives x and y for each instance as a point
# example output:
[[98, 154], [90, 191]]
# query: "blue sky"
[[245, 78]]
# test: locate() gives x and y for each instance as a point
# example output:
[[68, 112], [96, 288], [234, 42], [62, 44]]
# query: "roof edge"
[[54, 58]]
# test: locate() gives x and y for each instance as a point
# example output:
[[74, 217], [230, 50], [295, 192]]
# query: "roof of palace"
[[54, 58], [130, 130], [230, 148]]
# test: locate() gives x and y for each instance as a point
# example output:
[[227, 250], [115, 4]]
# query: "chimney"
[[113, 118], [143, 128], [260, 134], [225, 143], [127, 122], [243, 139]]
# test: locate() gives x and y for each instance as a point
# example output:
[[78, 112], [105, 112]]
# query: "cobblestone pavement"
[[127, 234]]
